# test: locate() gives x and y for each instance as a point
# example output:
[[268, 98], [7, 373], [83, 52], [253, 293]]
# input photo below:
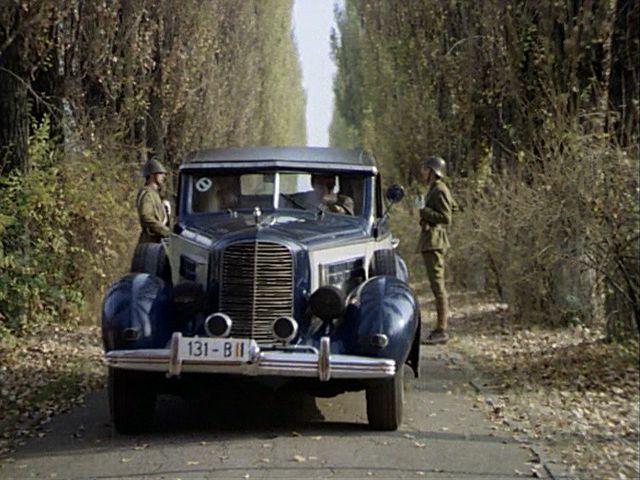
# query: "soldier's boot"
[[439, 334]]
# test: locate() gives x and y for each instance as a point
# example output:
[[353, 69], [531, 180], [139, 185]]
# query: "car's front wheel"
[[384, 402], [132, 400]]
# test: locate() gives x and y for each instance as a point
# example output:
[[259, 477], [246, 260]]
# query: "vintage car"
[[267, 276]]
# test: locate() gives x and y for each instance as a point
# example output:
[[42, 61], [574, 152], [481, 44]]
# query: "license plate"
[[215, 349]]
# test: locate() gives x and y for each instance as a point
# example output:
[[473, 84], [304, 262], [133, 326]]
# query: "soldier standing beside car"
[[436, 207], [154, 217]]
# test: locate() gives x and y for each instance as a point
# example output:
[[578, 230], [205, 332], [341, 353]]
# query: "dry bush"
[[558, 239]]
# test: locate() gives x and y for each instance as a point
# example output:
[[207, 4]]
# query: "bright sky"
[[312, 21]]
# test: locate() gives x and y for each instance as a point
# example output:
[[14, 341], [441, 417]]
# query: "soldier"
[[436, 207], [154, 217]]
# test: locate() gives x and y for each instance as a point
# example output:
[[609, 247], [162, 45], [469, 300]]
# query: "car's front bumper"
[[311, 363]]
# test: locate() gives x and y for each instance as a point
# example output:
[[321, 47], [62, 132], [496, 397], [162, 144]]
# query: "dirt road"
[[256, 435]]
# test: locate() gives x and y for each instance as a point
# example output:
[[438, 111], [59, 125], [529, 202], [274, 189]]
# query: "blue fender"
[[135, 313], [382, 305]]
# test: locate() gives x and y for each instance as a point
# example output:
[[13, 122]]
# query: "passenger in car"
[[229, 194]]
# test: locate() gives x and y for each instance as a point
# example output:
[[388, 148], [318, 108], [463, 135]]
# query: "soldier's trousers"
[[434, 264]]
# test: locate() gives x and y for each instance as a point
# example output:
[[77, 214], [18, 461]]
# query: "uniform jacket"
[[153, 217], [435, 217]]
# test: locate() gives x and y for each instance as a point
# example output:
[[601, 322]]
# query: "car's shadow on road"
[[247, 409], [206, 416]]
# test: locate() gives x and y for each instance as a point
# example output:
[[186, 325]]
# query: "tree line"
[[89, 90], [535, 107]]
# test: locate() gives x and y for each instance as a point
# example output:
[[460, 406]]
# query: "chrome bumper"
[[309, 364]]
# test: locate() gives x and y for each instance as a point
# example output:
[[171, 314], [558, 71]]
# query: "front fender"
[[135, 313], [383, 305]]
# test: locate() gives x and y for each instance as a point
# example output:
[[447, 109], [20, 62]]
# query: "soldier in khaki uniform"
[[436, 207], [154, 218]]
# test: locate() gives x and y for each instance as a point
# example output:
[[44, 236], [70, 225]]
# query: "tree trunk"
[[156, 131], [624, 84], [14, 119]]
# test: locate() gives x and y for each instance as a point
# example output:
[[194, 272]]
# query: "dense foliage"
[[90, 90], [535, 107]]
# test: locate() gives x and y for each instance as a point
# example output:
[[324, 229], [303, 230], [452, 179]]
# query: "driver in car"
[[322, 196]]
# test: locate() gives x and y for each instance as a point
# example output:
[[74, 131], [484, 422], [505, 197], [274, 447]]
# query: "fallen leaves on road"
[[565, 388], [44, 375]]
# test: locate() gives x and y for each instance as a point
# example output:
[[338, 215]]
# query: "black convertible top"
[[310, 157]]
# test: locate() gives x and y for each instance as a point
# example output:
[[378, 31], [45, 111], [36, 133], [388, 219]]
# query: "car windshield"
[[335, 193]]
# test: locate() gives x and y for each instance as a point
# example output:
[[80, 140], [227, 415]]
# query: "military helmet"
[[437, 164], [152, 166]]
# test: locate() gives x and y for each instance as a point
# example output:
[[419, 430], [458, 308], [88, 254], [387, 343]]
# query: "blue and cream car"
[[280, 266]]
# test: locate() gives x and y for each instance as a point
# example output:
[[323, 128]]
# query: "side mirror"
[[395, 193]]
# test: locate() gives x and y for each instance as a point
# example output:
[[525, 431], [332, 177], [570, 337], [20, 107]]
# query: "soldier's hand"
[[329, 198]]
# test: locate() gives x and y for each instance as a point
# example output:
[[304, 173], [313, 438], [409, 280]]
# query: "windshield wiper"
[[318, 210]]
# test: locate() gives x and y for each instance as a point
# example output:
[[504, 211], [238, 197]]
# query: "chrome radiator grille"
[[256, 287]]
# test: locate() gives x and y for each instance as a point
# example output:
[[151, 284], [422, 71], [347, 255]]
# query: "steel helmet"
[[437, 164], [152, 166]]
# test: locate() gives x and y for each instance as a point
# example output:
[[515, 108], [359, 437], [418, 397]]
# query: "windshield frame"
[[186, 185]]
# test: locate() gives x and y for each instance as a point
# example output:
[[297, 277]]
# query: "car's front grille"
[[256, 287]]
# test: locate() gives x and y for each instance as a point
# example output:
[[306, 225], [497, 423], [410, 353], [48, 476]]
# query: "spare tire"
[[384, 263], [151, 258]]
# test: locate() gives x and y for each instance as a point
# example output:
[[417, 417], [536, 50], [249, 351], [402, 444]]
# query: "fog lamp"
[[218, 325], [285, 328]]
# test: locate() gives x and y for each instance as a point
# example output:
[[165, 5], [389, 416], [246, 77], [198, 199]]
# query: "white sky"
[[312, 20]]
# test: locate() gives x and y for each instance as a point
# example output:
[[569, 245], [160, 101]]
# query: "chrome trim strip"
[[269, 363], [196, 238]]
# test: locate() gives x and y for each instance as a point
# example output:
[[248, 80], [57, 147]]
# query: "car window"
[[213, 192], [297, 190], [257, 184]]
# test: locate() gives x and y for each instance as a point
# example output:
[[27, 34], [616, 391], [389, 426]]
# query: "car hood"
[[306, 227]]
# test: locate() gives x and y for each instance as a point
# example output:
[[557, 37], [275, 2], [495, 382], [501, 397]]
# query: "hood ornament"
[[257, 213]]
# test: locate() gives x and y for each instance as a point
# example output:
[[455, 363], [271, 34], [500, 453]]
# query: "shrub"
[[57, 236]]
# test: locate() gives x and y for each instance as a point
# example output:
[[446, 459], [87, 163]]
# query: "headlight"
[[327, 303]]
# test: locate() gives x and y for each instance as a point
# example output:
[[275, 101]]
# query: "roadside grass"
[[43, 375], [564, 389]]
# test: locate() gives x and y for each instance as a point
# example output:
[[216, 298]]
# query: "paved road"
[[256, 436]]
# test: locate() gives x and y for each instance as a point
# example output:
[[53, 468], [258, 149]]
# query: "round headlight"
[[285, 328], [327, 303], [218, 325]]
